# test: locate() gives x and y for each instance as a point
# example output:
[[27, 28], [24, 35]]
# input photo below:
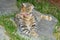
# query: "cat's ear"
[[32, 6], [24, 4]]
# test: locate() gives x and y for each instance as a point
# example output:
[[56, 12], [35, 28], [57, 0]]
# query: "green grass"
[[44, 7]]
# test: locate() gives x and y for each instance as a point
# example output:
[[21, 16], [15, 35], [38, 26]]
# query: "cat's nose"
[[29, 28]]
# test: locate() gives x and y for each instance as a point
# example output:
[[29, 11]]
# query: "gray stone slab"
[[7, 6], [45, 27]]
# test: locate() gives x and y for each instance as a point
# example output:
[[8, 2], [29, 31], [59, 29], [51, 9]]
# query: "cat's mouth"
[[25, 14]]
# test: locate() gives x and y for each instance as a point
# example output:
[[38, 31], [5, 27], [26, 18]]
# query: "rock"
[[7, 6], [3, 36], [45, 27]]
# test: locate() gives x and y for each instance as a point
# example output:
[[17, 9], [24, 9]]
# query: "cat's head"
[[27, 7]]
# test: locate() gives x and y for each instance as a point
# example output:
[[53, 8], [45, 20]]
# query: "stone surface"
[[7, 6], [44, 27], [3, 36]]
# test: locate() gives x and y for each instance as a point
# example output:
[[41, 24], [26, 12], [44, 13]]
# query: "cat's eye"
[[33, 25]]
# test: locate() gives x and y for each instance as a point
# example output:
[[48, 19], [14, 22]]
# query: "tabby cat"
[[26, 19]]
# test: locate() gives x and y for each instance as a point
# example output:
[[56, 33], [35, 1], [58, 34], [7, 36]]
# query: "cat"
[[26, 19]]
